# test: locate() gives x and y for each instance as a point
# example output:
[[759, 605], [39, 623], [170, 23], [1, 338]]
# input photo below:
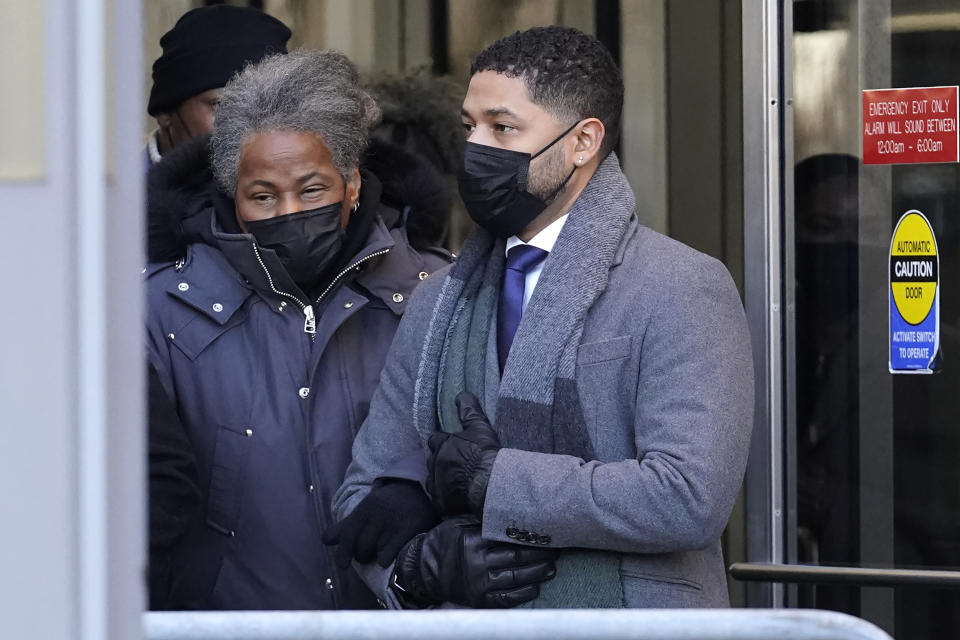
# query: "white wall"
[[71, 443]]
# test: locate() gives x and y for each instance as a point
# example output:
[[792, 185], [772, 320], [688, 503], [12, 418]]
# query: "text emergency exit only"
[[916, 125]]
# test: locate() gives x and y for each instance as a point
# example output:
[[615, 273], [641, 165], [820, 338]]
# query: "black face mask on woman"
[[307, 243], [493, 185]]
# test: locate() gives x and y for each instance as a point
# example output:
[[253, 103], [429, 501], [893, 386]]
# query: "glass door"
[[873, 457]]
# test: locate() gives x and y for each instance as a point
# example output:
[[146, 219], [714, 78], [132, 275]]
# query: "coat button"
[[183, 286], [348, 305], [398, 298], [304, 392], [217, 307], [249, 432], [310, 489], [543, 540], [283, 305], [512, 532], [423, 275], [329, 583], [171, 336], [523, 536]]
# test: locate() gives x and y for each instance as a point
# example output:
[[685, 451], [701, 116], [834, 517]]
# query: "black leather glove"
[[452, 563], [387, 518], [460, 463]]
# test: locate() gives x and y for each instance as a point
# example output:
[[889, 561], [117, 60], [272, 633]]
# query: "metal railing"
[[462, 624], [858, 576]]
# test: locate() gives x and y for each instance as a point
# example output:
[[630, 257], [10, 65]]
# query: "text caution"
[[914, 296]]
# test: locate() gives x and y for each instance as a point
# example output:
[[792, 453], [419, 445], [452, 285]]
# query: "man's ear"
[[164, 120], [590, 134]]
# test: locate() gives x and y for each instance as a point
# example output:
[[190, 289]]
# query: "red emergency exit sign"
[[902, 126]]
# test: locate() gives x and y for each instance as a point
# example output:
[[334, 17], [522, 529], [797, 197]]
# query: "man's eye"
[[467, 127], [504, 128], [263, 198], [313, 191]]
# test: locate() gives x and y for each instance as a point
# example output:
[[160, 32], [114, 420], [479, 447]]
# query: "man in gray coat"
[[578, 388]]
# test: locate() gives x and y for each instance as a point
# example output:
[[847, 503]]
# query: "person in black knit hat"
[[203, 50], [200, 54]]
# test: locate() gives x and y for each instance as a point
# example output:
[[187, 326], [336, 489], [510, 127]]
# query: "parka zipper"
[[310, 321], [349, 269]]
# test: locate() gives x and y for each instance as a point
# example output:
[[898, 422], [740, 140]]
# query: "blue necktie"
[[520, 259]]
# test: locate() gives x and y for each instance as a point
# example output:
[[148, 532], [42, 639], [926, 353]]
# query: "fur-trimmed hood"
[[179, 189], [411, 184]]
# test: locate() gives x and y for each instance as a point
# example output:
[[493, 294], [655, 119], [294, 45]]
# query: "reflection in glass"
[[844, 213]]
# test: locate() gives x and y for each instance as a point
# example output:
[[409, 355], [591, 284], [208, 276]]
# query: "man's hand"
[[452, 563], [387, 518], [460, 463]]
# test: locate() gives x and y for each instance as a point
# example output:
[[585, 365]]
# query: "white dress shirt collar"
[[543, 240]]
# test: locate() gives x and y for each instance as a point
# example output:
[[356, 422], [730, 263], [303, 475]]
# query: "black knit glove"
[[387, 518], [460, 463], [452, 563]]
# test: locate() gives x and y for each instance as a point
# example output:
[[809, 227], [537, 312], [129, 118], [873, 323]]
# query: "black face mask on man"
[[493, 185], [307, 243]]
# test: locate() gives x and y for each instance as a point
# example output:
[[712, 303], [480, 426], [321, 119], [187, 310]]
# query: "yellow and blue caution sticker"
[[914, 296]]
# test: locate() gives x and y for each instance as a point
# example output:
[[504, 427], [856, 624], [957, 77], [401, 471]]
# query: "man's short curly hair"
[[568, 73], [316, 92]]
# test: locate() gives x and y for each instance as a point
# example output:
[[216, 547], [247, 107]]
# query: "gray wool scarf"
[[538, 406]]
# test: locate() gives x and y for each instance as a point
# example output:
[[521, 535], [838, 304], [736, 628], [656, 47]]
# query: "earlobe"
[[351, 197], [589, 141], [353, 190]]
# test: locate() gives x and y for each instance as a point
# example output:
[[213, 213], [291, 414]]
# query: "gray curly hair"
[[315, 92]]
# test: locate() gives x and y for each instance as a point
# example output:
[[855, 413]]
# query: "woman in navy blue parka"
[[272, 301]]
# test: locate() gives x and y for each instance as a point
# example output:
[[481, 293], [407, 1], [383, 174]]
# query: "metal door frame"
[[771, 492], [767, 211]]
